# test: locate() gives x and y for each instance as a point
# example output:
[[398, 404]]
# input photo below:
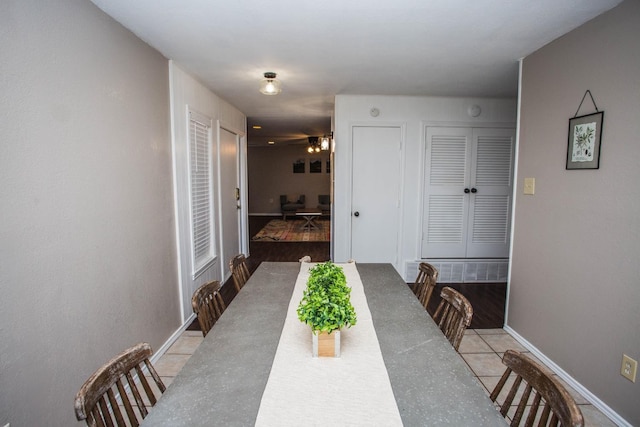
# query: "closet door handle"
[[356, 213], [466, 190], [473, 190]]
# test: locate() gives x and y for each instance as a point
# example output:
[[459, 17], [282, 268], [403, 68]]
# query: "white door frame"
[[224, 198]]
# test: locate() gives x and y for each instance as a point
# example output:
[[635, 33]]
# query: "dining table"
[[255, 367]]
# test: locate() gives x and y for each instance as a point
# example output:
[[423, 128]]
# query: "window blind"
[[200, 182]]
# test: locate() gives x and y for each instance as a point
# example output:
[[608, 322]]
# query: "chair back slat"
[[104, 409], [552, 404], [126, 402], [425, 283], [453, 315], [522, 405], [98, 400], [146, 386], [208, 305], [239, 271]]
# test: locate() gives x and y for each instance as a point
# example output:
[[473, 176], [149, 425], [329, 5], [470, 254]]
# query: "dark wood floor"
[[487, 299]]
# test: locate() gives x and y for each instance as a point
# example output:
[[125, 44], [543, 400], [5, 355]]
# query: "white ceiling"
[[328, 47]]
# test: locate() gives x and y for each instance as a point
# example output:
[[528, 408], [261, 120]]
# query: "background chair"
[[239, 271], [289, 207], [555, 399], [208, 305], [324, 203], [96, 402], [425, 283], [453, 315]]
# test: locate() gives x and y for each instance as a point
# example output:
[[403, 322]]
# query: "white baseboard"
[[173, 338], [592, 398]]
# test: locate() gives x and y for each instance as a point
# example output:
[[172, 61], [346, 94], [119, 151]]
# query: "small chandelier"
[[314, 145], [270, 85]]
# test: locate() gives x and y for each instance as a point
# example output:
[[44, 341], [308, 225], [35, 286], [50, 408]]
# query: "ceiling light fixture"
[[317, 143], [270, 85], [314, 145]]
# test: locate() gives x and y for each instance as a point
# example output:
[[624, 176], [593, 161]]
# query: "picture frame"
[[315, 166], [299, 166], [585, 137]]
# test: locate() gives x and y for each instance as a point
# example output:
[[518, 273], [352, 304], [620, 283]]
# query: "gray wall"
[[271, 174], [574, 291], [88, 259]]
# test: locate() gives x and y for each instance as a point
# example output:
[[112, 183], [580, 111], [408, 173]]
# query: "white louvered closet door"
[[446, 205], [467, 192], [490, 204]]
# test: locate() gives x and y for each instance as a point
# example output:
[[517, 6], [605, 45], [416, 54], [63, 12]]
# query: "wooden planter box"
[[326, 345]]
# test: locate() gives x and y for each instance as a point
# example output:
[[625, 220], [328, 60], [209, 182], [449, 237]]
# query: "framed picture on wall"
[[315, 166], [585, 135], [299, 166]]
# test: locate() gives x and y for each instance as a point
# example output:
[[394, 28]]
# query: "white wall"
[[187, 91], [412, 113], [574, 290], [87, 247], [271, 174]]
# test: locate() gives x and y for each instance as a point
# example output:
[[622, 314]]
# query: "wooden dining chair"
[[208, 305], [239, 271], [453, 315], [101, 398], [541, 395], [425, 283]]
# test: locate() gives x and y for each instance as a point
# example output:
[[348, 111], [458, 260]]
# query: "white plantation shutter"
[[200, 185]]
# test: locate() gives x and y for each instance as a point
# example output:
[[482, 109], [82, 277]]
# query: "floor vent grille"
[[464, 271]]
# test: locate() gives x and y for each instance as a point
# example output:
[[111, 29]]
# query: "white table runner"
[[352, 390]]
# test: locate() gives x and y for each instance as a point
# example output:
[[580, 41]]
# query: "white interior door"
[[376, 193], [229, 198]]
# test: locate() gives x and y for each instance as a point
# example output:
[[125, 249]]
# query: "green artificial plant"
[[326, 302]]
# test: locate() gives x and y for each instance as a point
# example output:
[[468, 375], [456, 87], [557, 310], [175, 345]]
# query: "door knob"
[[473, 190], [466, 190], [356, 213]]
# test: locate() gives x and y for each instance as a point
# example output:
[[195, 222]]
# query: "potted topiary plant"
[[326, 307]]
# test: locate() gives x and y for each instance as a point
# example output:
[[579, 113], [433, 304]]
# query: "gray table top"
[[222, 383]]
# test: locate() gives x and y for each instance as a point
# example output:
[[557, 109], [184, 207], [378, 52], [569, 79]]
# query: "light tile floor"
[[481, 349]]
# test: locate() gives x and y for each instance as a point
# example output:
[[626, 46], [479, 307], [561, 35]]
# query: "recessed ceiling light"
[[271, 142], [256, 127]]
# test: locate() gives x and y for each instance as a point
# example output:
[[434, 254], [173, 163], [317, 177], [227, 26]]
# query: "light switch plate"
[[529, 186]]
